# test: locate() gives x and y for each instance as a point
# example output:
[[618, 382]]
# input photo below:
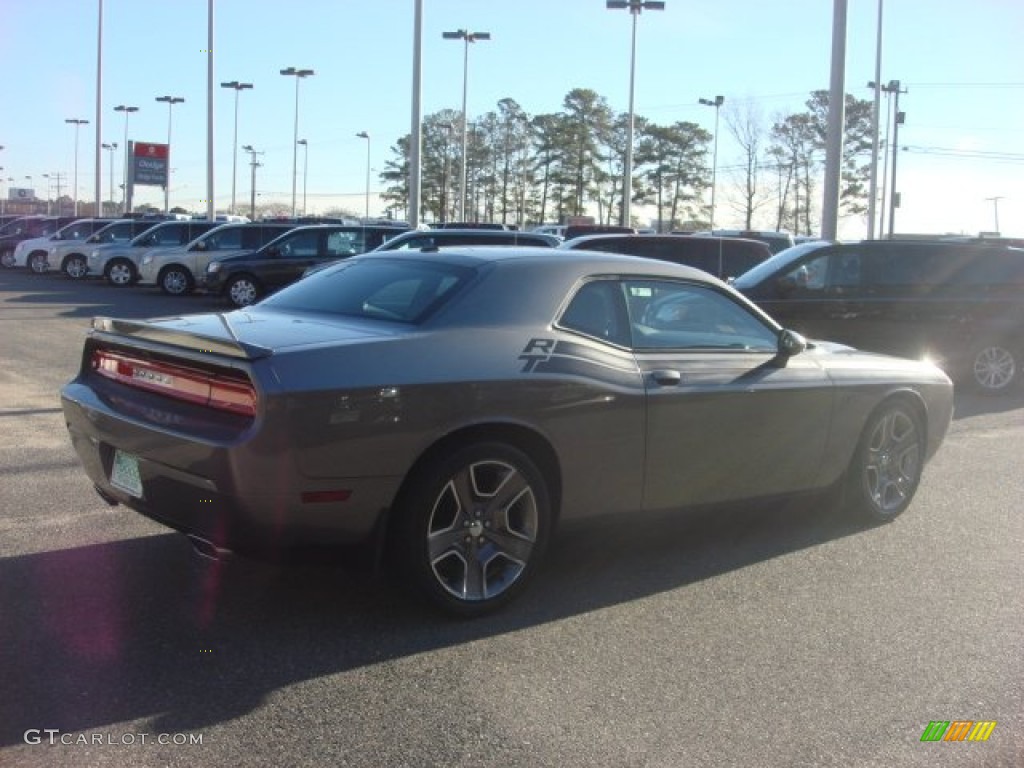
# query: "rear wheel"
[[75, 266], [886, 469], [995, 367], [175, 280], [120, 272], [472, 527], [38, 263], [243, 290]]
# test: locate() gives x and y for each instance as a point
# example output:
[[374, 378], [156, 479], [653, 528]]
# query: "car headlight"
[[213, 266]]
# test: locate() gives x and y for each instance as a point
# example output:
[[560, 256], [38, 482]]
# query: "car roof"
[[585, 261]]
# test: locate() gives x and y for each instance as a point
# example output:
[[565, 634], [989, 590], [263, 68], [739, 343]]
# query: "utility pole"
[[995, 205], [252, 162], [894, 87]]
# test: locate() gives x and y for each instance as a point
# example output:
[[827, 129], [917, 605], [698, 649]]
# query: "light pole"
[[237, 87], [170, 101], [717, 104], [252, 185], [448, 128], [305, 171], [298, 74], [78, 123], [110, 148], [635, 8], [365, 135], [124, 178], [467, 38]]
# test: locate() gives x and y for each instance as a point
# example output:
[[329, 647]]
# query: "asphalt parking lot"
[[770, 635]]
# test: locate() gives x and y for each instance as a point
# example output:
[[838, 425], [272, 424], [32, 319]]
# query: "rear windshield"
[[401, 290]]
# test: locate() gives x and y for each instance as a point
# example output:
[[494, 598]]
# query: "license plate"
[[125, 474]]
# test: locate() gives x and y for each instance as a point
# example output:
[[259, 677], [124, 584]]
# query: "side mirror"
[[274, 251], [791, 343], [200, 246]]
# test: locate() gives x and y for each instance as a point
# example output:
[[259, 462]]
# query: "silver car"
[[445, 410], [119, 262], [72, 258], [34, 253]]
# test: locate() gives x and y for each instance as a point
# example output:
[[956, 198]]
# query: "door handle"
[[666, 377]]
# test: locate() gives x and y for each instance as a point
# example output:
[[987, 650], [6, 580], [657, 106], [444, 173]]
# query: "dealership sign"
[[149, 163]]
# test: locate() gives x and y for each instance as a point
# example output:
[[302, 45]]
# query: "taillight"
[[223, 391]]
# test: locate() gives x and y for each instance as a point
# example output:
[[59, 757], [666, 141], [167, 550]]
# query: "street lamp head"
[[303, 142], [635, 6], [469, 37], [236, 85], [363, 135], [716, 102], [248, 148], [170, 99], [76, 121], [123, 108], [297, 72]]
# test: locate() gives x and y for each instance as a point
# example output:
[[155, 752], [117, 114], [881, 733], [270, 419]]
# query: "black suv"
[[723, 257], [959, 304], [248, 276], [439, 238]]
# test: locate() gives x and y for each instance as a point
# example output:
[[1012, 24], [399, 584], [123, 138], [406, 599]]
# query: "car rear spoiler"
[[230, 346]]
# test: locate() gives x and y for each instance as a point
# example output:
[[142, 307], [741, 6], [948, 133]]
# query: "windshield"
[[779, 261], [401, 290]]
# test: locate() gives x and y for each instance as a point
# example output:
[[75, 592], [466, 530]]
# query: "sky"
[[960, 63]]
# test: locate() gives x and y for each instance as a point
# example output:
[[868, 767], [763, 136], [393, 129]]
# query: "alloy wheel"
[[76, 267], [994, 368], [892, 463]]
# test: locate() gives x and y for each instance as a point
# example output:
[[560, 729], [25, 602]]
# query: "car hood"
[[248, 333], [844, 363]]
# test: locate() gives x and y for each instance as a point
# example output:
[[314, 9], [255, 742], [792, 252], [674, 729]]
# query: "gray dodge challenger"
[[446, 409]]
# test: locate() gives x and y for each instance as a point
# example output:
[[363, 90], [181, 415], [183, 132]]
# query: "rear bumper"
[[238, 494]]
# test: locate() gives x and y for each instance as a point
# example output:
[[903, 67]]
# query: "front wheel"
[[472, 527], [995, 367], [243, 290], [886, 469], [175, 281], [37, 263], [76, 267]]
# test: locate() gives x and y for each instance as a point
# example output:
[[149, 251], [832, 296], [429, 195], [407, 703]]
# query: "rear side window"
[[399, 290], [995, 267]]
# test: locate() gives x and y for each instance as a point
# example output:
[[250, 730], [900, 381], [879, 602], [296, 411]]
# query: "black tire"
[[243, 290], [120, 272], [994, 366], [471, 528], [886, 468], [175, 280], [75, 266], [38, 263]]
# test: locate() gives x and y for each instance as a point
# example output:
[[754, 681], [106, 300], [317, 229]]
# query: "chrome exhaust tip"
[[207, 549]]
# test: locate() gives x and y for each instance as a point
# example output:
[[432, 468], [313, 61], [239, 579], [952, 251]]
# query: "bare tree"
[[745, 123]]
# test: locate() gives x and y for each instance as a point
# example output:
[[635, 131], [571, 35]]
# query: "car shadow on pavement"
[[144, 629]]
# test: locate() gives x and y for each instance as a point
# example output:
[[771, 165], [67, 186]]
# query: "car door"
[[822, 295], [291, 256], [727, 417]]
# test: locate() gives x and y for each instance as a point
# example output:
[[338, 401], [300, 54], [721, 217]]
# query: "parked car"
[[119, 262], [73, 258], [960, 304], [579, 230], [777, 241], [550, 229], [723, 257], [247, 277], [37, 249], [419, 239], [448, 411], [177, 271], [28, 228]]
